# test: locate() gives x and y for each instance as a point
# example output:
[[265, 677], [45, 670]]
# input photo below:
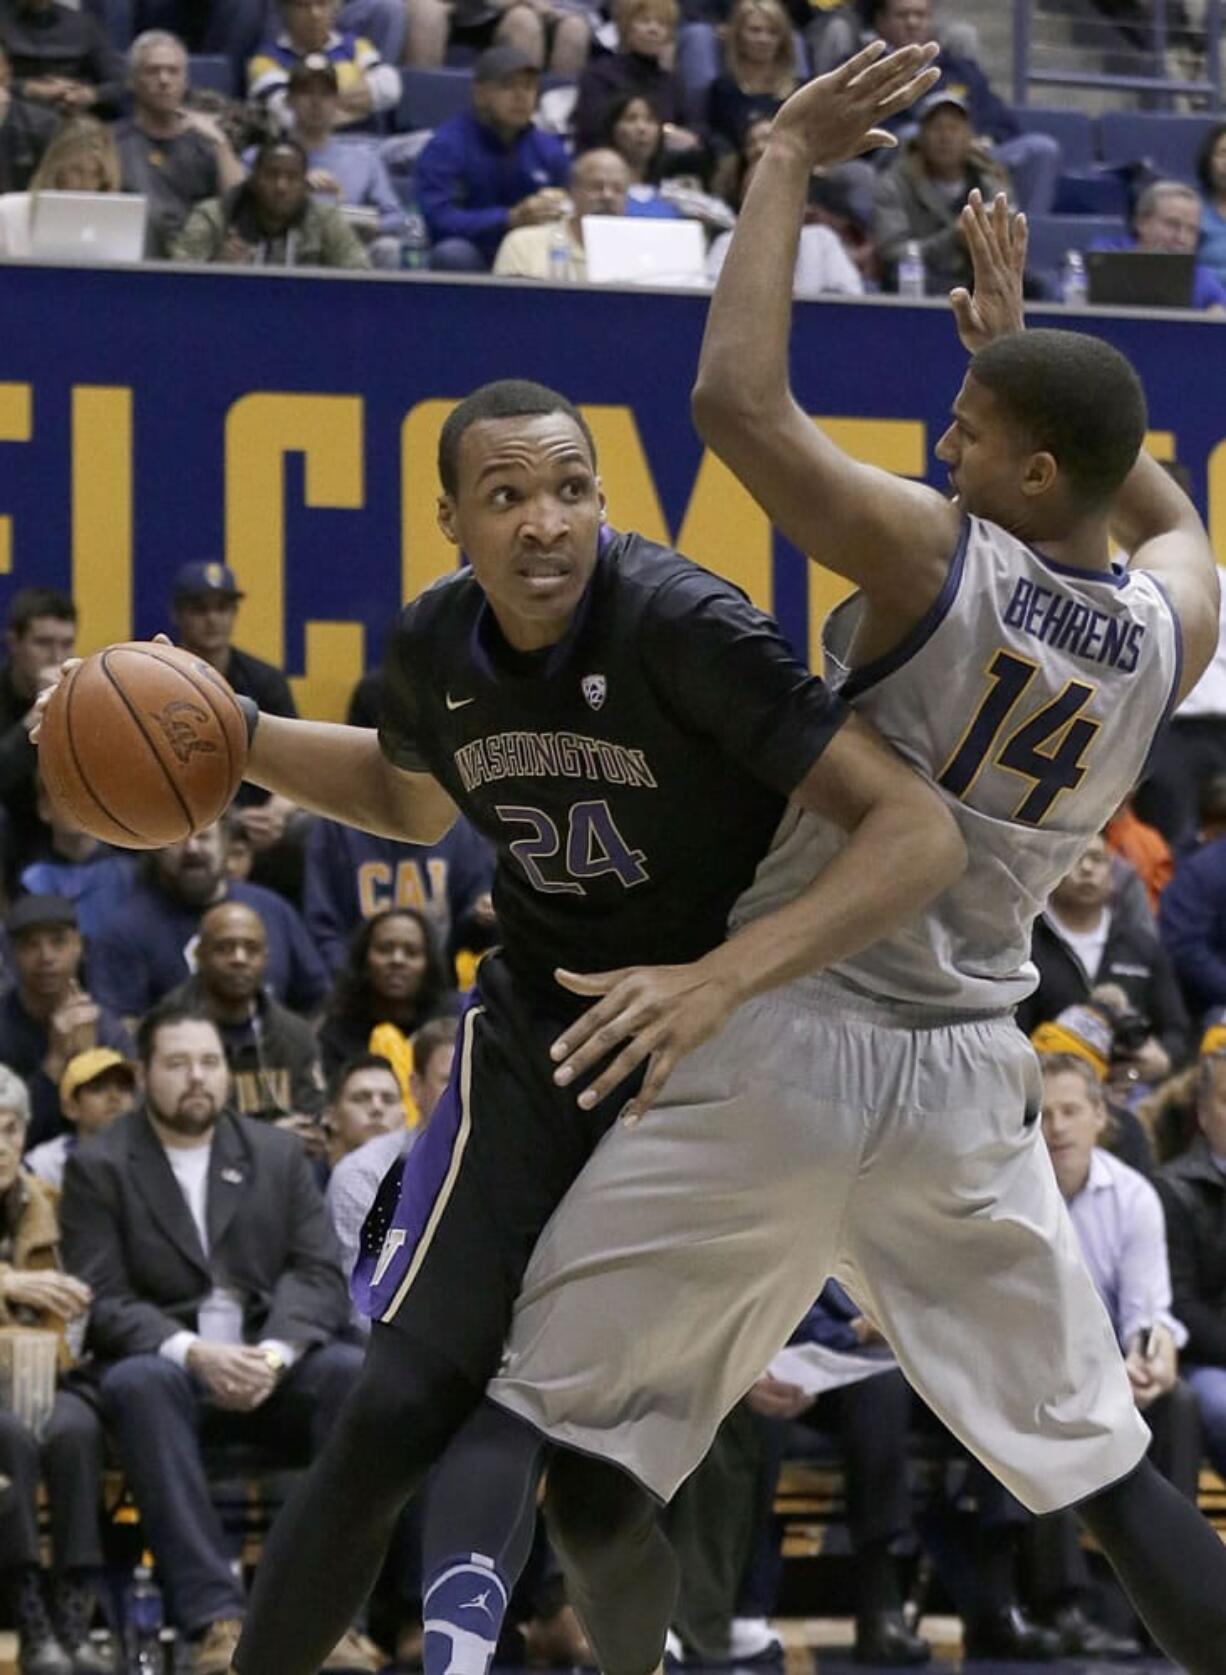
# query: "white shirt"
[[1122, 1231], [1208, 696], [220, 1318], [1087, 945], [823, 267]]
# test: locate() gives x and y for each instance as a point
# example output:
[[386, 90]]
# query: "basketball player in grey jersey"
[[999, 649]]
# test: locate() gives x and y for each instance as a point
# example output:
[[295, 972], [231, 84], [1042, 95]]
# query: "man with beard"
[[218, 1299], [148, 945], [272, 1054]]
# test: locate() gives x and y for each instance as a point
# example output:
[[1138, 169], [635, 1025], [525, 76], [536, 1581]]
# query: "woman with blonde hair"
[[81, 158], [760, 72]]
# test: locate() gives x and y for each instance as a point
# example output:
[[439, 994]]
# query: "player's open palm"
[[996, 242], [839, 115], [652, 1013]]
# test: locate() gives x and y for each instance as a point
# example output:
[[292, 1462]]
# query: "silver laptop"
[[640, 250], [87, 226]]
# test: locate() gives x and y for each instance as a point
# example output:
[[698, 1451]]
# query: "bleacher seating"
[[1053, 236], [1171, 143], [213, 71], [1073, 129]]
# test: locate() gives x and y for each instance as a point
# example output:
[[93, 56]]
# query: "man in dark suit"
[[218, 1300]]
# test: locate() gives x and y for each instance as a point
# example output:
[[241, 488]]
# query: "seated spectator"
[[1087, 1031], [634, 130], [98, 1086], [174, 157], [364, 1104], [823, 266], [351, 876], [368, 86], [1031, 161], [49, 1016], [758, 75], [68, 1454], [357, 1175], [1211, 173], [60, 57], [1167, 220], [218, 1302], [271, 220], [647, 35], [272, 1053], [78, 867], [348, 174], [230, 27], [81, 157], [1120, 1227], [1079, 941], [26, 128], [489, 169], [599, 181], [40, 632], [842, 199], [394, 975], [920, 196], [143, 949], [204, 609], [1192, 922], [1193, 1193]]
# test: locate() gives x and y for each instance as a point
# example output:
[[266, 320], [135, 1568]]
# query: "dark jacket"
[[908, 205], [1192, 919], [128, 1232], [25, 134], [23, 1047], [26, 833], [609, 78], [1132, 958], [1193, 1193], [273, 1057], [63, 41]]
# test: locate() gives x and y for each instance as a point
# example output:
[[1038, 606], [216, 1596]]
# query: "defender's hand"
[[996, 239], [835, 117], [660, 1012]]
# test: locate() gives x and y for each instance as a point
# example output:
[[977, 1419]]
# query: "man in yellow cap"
[[97, 1086]]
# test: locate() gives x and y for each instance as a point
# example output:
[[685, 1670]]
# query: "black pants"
[[69, 1458]]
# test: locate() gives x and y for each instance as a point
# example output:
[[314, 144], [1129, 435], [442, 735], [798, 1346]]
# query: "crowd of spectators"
[[320, 156]]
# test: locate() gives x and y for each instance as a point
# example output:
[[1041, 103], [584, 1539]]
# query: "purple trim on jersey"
[[406, 1198], [1117, 576], [868, 674]]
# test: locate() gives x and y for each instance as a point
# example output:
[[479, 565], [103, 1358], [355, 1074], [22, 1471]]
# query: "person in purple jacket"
[[489, 169]]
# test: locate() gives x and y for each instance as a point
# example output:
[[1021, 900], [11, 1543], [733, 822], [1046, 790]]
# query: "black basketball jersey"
[[631, 776]]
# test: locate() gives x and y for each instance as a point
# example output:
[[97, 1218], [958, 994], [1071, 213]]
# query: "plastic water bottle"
[[1074, 288], [414, 243], [559, 254], [912, 280], [142, 1621]]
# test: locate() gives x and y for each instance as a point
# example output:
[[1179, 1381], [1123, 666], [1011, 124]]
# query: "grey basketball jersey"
[[1030, 695]]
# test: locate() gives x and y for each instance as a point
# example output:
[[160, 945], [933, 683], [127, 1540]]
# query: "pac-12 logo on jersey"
[[595, 688]]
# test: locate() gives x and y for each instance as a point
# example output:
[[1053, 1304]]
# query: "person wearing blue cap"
[[204, 609]]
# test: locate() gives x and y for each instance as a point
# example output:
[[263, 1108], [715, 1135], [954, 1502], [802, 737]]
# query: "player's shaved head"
[[507, 398], [1071, 396]]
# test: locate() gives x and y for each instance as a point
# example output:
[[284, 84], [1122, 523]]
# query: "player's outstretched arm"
[[904, 848], [892, 537], [342, 773], [996, 239], [1154, 521]]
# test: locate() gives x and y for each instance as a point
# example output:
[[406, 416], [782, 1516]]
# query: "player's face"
[[1211, 1103], [47, 640], [396, 958], [369, 1105], [97, 1105], [186, 1079], [1073, 1121], [987, 464], [47, 958], [233, 953], [527, 513], [431, 1084], [160, 80], [906, 23]]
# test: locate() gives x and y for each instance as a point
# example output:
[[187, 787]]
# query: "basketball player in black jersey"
[[629, 732]]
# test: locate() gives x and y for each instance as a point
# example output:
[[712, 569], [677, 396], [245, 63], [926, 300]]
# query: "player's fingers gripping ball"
[[142, 744]]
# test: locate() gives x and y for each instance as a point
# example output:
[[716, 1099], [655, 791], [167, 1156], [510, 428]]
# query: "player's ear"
[[446, 519], [1040, 474], [601, 498]]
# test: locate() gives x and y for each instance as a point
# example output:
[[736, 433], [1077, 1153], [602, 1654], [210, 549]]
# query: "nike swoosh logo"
[[458, 703]]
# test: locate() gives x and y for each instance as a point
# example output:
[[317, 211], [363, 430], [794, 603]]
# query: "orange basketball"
[[142, 745]]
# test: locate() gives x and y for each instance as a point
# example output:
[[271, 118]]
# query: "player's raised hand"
[[996, 239], [838, 116], [659, 1012]]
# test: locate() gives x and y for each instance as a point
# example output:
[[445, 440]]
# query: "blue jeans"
[[1209, 1383], [1034, 161], [457, 255], [156, 1413]]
